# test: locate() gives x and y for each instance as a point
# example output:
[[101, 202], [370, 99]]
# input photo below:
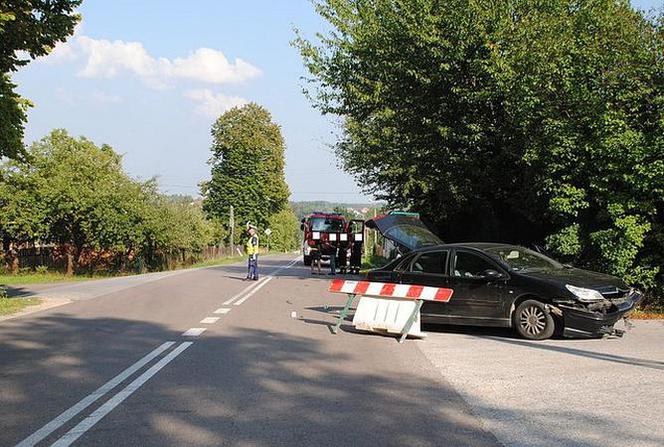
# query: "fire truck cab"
[[322, 229]]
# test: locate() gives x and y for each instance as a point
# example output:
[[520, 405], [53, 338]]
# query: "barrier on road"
[[387, 307]]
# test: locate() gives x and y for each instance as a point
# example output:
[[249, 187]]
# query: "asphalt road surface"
[[202, 358]]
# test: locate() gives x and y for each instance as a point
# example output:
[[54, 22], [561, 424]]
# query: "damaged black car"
[[502, 285]]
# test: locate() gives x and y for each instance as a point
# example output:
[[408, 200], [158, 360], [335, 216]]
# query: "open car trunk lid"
[[405, 230]]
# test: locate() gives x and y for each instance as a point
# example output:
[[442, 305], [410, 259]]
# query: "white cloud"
[[208, 65], [108, 59], [213, 105]]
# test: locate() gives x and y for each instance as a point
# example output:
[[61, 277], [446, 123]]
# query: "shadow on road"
[[253, 387]]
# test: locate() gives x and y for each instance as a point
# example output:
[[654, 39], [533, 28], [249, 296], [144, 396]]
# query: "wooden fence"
[[31, 258]]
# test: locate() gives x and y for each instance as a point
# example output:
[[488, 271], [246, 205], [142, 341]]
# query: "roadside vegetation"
[[74, 197], [9, 306], [527, 122]]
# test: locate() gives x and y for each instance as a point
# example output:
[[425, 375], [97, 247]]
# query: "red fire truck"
[[317, 228], [326, 230]]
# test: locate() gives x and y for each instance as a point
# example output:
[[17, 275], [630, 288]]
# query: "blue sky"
[[148, 77]]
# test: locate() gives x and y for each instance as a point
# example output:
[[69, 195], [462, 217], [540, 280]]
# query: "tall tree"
[[523, 121], [28, 29], [247, 167]]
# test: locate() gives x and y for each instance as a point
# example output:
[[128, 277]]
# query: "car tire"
[[307, 260], [533, 321]]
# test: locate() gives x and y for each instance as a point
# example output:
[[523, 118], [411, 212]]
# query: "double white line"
[[87, 423], [251, 290]]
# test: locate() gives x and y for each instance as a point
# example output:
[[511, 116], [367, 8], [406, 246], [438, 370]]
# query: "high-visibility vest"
[[252, 245]]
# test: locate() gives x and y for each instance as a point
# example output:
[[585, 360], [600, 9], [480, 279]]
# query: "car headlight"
[[585, 295]]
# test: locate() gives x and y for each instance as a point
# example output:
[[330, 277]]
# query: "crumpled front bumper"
[[580, 319]]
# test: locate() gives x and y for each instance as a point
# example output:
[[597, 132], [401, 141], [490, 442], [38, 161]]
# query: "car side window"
[[431, 262], [469, 265]]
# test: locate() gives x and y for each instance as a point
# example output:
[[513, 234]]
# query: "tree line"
[[528, 121], [74, 195]]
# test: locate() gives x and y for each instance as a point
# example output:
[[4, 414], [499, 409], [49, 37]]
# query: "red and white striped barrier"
[[390, 290]]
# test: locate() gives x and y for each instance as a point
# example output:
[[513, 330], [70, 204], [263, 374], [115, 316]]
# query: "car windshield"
[[413, 236], [327, 225], [522, 259]]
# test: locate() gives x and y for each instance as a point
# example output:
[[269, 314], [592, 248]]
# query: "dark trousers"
[[252, 267]]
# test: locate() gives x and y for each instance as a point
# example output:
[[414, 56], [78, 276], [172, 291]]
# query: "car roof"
[[473, 245]]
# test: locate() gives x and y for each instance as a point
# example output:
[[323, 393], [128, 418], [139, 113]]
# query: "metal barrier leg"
[[410, 321], [344, 312]]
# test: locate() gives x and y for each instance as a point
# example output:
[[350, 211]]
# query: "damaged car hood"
[[580, 278]]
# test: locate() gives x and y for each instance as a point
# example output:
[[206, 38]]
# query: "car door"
[[428, 269], [480, 290]]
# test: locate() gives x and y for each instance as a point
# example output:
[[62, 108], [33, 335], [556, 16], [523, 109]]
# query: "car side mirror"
[[491, 274]]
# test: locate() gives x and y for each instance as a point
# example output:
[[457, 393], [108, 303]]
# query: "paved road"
[[118, 369], [593, 392]]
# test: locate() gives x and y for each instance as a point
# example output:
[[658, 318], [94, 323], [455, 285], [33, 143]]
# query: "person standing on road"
[[252, 252]]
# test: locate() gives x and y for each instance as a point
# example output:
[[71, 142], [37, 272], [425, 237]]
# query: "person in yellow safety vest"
[[252, 251]]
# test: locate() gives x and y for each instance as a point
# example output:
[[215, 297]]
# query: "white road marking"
[[209, 320], [87, 423], [250, 294], [64, 417], [193, 332], [267, 279], [257, 284], [222, 310], [245, 290]]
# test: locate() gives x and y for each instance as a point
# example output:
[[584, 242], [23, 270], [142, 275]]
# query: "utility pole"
[[231, 225]]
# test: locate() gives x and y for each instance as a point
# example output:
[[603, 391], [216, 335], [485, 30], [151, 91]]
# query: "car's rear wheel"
[[533, 321]]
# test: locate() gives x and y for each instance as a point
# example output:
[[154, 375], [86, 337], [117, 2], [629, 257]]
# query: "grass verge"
[[10, 306], [41, 278]]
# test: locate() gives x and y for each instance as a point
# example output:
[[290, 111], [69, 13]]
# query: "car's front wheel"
[[533, 321]]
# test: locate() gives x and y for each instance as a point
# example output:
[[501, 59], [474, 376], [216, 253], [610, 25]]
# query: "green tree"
[[247, 167], [522, 121], [32, 28], [71, 193], [285, 231]]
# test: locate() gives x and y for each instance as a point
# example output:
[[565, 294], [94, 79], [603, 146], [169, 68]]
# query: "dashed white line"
[[209, 320], [64, 417], [87, 423], [222, 310], [193, 332]]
